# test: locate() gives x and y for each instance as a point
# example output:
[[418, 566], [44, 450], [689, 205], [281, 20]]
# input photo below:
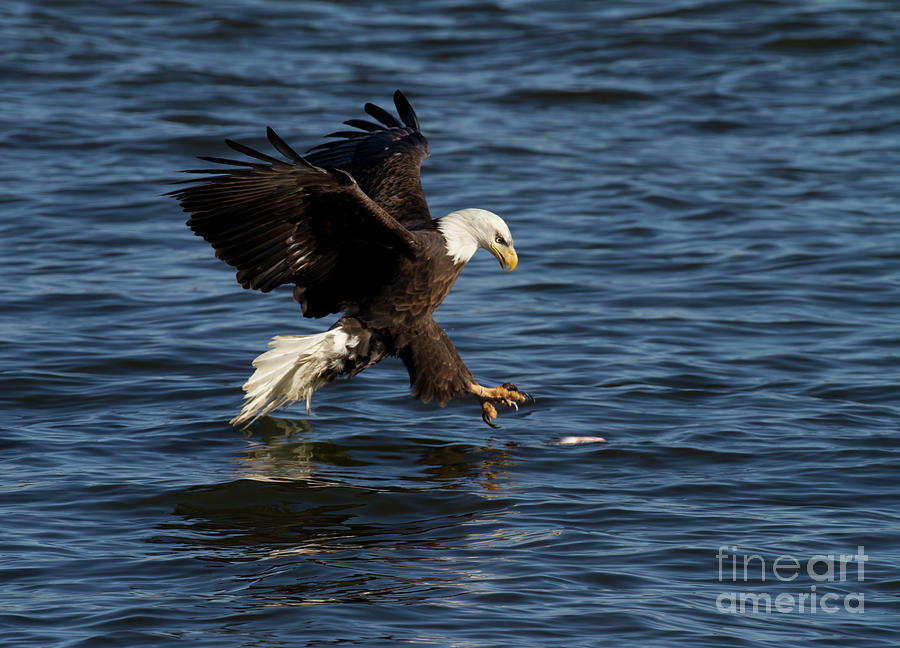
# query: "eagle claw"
[[507, 394], [529, 399]]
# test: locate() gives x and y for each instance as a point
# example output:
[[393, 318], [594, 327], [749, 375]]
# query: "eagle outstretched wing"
[[280, 222], [384, 158]]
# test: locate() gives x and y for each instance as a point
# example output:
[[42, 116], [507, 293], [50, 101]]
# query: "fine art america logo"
[[813, 573]]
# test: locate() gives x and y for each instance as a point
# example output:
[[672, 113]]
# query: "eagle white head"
[[466, 230]]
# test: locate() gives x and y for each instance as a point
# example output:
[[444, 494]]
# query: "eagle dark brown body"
[[349, 226]]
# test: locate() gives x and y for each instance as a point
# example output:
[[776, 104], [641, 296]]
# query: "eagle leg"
[[507, 394]]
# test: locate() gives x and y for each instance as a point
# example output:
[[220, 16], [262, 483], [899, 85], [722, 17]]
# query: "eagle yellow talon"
[[507, 394], [488, 413]]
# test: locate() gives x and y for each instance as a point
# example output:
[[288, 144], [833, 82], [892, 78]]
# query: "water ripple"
[[704, 197]]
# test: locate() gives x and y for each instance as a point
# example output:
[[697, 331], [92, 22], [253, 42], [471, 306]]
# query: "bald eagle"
[[348, 225]]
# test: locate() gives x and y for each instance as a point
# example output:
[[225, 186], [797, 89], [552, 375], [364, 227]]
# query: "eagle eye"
[[499, 240]]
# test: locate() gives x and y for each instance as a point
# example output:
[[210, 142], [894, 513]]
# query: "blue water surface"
[[704, 197]]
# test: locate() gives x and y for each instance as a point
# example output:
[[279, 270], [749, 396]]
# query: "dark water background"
[[704, 195]]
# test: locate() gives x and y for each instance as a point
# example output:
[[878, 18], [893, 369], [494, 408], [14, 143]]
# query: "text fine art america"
[[349, 226]]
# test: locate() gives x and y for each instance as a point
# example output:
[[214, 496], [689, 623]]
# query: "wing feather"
[[363, 124], [284, 148], [246, 150], [219, 160], [384, 159], [405, 110], [294, 222], [382, 115]]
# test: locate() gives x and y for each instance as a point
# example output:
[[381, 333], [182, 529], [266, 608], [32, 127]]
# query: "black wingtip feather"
[[246, 150], [382, 115], [362, 124], [405, 110], [345, 134], [218, 160], [284, 148]]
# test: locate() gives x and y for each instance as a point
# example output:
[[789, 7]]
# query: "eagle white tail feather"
[[294, 368]]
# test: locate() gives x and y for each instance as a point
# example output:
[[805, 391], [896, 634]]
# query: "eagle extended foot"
[[506, 394]]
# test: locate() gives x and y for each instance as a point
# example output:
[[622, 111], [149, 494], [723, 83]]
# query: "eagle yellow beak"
[[508, 258]]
